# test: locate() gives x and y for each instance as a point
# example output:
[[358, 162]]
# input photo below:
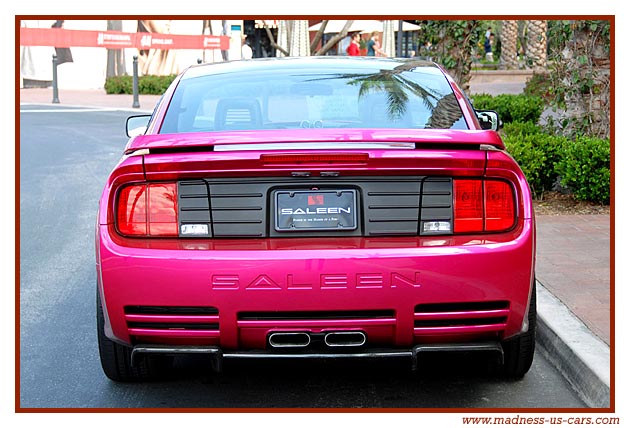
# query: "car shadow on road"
[[440, 382]]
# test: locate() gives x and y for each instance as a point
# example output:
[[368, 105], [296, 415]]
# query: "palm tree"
[[115, 57], [397, 87], [389, 38], [509, 35], [446, 112], [537, 44], [299, 42]]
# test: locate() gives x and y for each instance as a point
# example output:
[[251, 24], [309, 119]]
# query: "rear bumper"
[[232, 294], [413, 354]]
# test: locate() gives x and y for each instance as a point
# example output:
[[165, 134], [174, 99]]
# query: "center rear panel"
[[247, 208]]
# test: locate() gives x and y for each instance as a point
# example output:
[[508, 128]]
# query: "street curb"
[[581, 357], [83, 107]]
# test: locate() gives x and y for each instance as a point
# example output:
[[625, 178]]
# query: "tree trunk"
[[318, 36], [115, 57], [582, 71], [281, 45], [509, 35], [461, 49], [537, 44], [299, 43], [334, 40], [389, 38]]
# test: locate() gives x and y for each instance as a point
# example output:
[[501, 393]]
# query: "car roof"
[[311, 63]]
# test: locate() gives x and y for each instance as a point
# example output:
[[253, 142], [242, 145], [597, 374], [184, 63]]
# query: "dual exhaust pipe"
[[333, 339]]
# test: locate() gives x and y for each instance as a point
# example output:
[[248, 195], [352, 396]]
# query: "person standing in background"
[[487, 47], [374, 46], [354, 48], [246, 50]]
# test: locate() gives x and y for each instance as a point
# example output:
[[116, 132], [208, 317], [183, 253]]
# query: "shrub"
[[584, 167], [511, 108], [119, 85], [483, 101], [147, 85], [154, 85], [535, 151], [521, 128]]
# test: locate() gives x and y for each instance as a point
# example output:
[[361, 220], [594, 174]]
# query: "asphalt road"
[[65, 157]]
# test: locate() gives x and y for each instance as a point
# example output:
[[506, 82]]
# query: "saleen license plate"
[[313, 210]]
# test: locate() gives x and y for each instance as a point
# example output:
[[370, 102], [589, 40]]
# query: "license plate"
[[314, 210]]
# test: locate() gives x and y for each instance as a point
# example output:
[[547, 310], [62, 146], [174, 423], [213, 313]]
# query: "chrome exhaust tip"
[[289, 340], [345, 338]]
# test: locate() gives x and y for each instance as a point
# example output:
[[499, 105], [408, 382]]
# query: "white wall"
[[89, 68]]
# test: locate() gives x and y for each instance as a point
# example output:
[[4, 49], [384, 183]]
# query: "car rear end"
[[343, 240]]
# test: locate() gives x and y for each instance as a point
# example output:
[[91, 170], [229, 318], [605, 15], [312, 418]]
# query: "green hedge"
[[584, 167], [119, 85], [147, 85], [583, 164], [535, 151], [511, 108]]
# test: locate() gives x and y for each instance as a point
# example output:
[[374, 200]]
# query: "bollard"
[[136, 101], [55, 99]]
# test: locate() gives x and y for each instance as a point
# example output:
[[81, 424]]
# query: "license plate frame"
[[315, 210]]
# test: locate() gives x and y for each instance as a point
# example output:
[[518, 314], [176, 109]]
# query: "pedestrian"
[[374, 46], [354, 48], [412, 52], [487, 47], [246, 50]]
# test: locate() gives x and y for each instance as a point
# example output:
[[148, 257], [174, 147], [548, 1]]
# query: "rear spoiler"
[[315, 139]]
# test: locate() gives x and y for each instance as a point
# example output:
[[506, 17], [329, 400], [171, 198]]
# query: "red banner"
[[61, 38]]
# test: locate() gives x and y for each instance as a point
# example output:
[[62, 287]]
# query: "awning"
[[271, 23], [364, 26]]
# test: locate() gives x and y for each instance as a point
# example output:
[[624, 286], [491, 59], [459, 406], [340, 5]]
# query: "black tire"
[[116, 358], [518, 352]]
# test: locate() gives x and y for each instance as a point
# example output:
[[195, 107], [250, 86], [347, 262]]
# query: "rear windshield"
[[299, 98]]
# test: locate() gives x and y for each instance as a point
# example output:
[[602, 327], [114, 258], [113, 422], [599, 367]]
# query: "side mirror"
[[488, 119], [137, 125]]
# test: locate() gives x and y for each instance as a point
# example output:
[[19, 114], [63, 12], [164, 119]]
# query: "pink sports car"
[[314, 208]]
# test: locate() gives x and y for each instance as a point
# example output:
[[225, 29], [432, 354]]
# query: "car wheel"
[[518, 352], [116, 358]]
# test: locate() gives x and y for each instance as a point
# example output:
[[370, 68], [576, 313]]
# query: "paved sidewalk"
[[573, 263], [574, 294], [573, 269]]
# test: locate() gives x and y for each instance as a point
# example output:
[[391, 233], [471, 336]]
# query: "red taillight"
[[499, 206], [132, 210], [148, 210], [468, 205], [482, 206]]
